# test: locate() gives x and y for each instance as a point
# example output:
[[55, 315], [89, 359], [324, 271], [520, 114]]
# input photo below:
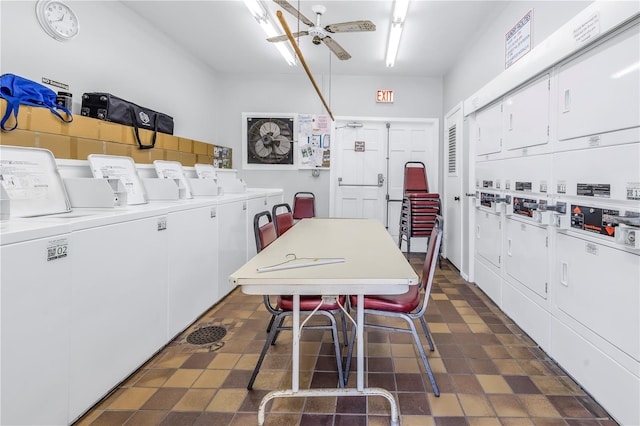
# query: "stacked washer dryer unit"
[[557, 216]]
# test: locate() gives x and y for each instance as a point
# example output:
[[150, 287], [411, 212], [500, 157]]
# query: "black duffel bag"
[[105, 106]]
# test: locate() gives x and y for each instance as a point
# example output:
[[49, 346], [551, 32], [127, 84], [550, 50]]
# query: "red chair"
[[304, 205], [409, 306], [283, 220], [265, 234]]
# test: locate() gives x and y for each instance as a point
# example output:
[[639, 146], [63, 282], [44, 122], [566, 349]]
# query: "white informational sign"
[[587, 30], [518, 40]]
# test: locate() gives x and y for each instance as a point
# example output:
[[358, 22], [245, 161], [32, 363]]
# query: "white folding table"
[[365, 260]]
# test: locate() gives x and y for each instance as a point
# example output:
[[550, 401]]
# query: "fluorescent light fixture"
[[394, 43], [400, 8], [266, 23]]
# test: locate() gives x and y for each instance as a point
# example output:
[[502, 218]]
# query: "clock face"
[[57, 19]]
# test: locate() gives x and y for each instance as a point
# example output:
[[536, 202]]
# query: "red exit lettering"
[[384, 96]]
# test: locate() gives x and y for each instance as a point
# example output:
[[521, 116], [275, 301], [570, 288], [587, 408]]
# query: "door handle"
[[456, 198], [380, 182]]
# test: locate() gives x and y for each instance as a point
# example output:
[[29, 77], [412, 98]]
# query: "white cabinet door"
[[232, 232], [193, 265], [488, 236], [598, 287], [526, 116], [598, 91], [35, 333], [526, 245], [118, 305], [488, 130]]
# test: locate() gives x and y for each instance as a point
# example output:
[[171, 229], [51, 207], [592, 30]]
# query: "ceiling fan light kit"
[[321, 34]]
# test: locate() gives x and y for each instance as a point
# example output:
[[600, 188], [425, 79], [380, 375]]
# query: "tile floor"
[[488, 371]]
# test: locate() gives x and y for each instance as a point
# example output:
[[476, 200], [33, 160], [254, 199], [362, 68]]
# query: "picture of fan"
[[320, 34], [269, 140]]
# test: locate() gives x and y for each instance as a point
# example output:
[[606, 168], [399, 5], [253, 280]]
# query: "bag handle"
[[54, 109], [135, 130], [12, 109]]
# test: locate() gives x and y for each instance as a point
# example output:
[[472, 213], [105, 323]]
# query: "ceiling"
[[224, 34]]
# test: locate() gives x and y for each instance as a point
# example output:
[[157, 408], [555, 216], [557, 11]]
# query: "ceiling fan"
[[321, 34]]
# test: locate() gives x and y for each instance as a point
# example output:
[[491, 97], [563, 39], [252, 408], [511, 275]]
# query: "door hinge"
[[546, 241], [546, 287], [499, 260]]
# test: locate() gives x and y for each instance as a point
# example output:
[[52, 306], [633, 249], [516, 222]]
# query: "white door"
[[452, 199], [388, 145], [359, 162]]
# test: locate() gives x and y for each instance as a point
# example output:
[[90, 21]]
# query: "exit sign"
[[384, 96]]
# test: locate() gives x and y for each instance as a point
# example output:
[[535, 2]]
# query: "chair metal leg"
[[426, 333], [270, 340], [347, 365], [273, 317], [278, 327], [423, 355]]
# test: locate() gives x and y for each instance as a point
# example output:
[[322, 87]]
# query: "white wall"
[[346, 96], [483, 58], [116, 52]]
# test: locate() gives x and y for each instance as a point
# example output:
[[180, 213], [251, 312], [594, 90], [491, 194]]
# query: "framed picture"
[[268, 141]]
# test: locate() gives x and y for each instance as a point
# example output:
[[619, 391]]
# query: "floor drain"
[[206, 335]]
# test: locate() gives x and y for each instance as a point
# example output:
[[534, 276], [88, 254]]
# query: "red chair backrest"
[[265, 234], [304, 205], [415, 177], [283, 220]]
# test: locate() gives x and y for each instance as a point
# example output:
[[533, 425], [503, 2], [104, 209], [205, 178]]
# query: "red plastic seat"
[[409, 306], [304, 205], [284, 220], [266, 234]]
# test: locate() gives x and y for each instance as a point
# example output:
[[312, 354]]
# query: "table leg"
[[295, 379]]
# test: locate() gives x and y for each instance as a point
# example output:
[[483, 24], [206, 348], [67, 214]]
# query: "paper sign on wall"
[[518, 40]]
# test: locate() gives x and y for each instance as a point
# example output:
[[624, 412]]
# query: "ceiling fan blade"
[[336, 48], [292, 10], [352, 26], [285, 38]]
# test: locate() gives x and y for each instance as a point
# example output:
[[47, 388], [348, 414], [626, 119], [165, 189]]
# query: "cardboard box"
[[120, 149], [18, 137], [171, 155], [142, 156], [24, 115], [84, 127], [210, 149], [156, 154], [165, 141], [204, 159], [59, 145], [185, 145], [200, 148], [187, 159], [81, 148], [43, 120]]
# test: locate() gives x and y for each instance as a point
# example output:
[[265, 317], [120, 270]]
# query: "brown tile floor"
[[488, 371]]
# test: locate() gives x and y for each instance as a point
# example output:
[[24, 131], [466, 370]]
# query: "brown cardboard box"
[[43, 120], [185, 145], [81, 148], [24, 115], [84, 127], [200, 148], [142, 156], [187, 159], [156, 154], [59, 145], [172, 155], [204, 159], [18, 138], [165, 141], [121, 149], [210, 150]]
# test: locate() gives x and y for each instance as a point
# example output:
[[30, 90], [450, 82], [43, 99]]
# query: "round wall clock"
[[57, 19]]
